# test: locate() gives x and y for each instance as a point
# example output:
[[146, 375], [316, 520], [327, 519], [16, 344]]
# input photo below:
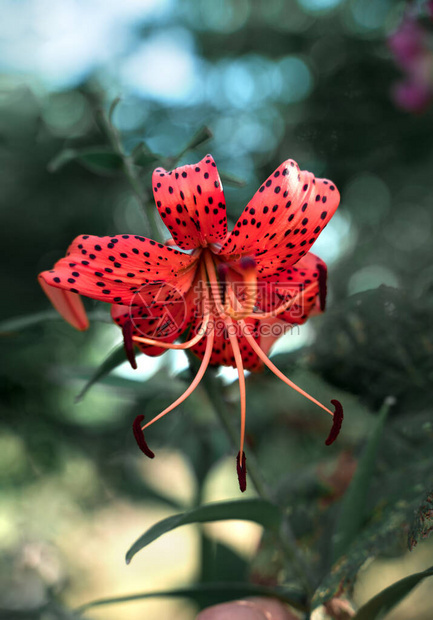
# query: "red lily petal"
[[283, 219], [191, 202], [165, 320], [128, 344], [307, 277], [68, 304], [114, 269]]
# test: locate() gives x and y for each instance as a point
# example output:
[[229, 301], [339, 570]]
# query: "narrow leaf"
[[257, 510], [112, 108], [209, 594], [200, 137], [114, 359], [383, 602], [352, 512], [143, 156], [17, 324], [99, 159], [373, 540], [232, 179]]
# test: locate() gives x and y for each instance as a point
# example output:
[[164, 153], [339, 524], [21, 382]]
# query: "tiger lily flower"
[[232, 293]]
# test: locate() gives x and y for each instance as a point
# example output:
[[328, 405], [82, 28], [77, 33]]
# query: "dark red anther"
[[247, 262], [241, 468], [337, 422], [139, 436], [222, 270], [128, 343], [323, 275]]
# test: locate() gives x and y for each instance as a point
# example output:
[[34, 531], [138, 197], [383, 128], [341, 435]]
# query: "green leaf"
[[20, 323], [112, 108], [96, 159], [114, 359], [24, 322], [209, 594], [220, 563], [232, 179], [382, 603], [257, 510], [143, 156], [200, 137], [385, 530], [422, 524], [353, 508]]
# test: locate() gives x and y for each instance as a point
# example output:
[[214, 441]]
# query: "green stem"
[[286, 537], [131, 174]]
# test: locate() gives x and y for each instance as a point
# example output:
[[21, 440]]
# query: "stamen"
[[184, 345], [240, 368], [286, 305], [139, 437], [337, 422], [223, 270], [128, 343], [204, 364], [246, 332], [323, 289], [213, 281], [241, 469], [235, 309]]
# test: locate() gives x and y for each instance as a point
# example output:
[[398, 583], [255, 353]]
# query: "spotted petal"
[[283, 219], [163, 315], [305, 281], [191, 202], [114, 269]]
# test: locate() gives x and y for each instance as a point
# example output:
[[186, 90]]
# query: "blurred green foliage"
[[284, 79]]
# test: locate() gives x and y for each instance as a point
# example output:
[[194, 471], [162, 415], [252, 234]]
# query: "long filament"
[[204, 364], [286, 305], [246, 332], [214, 283], [240, 368], [184, 345]]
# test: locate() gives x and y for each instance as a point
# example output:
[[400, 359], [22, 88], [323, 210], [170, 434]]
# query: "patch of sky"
[[295, 78], [62, 42], [164, 67], [336, 238], [319, 5]]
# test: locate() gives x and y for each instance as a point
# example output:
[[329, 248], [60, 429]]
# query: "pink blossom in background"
[[411, 96], [411, 47]]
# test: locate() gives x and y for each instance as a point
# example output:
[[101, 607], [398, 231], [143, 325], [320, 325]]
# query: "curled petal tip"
[[242, 471], [337, 422], [323, 288], [139, 437], [128, 343]]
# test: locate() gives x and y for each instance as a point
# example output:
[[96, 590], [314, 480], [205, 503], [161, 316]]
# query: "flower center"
[[228, 292]]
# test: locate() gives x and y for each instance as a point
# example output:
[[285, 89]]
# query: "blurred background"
[[320, 81]]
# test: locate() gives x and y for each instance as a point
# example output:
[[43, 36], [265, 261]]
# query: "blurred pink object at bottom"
[[251, 609]]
